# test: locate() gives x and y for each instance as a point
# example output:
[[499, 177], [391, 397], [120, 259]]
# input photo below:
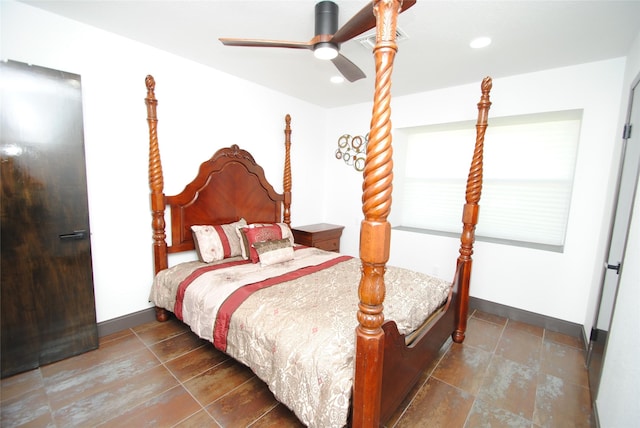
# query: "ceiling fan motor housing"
[[326, 18]]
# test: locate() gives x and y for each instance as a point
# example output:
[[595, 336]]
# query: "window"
[[529, 166]]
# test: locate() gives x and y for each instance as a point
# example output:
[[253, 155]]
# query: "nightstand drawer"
[[322, 235], [329, 244]]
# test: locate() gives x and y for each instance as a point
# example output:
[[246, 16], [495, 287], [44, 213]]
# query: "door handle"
[[614, 267], [75, 236]]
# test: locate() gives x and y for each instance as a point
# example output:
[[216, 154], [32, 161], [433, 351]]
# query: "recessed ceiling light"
[[480, 42], [337, 79]]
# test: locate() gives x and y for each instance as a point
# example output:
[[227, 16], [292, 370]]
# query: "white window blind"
[[529, 164]]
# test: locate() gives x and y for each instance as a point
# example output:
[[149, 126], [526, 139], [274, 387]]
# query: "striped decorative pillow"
[[217, 242]]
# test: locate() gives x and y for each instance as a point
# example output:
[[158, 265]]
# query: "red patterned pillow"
[[259, 233], [245, 245], [217, 242]]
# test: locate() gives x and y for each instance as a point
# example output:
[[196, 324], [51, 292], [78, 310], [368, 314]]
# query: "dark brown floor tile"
[[43, 421], [116, 336], [562, 404], [199, 420], [463, 367], [164, 410], [440, 404], [278, 417], [217, 381], [27, 409], [195, 362], [564, 339], [120, 397], [510, 386], [528, 328], [20, 384], [155, 331], [125, 384], [120, 345], [485, 316], [565, 362], [107, 351], [176, 345], [243, 405], [484, 415], [518, 345], [65, 387], [483, 334]]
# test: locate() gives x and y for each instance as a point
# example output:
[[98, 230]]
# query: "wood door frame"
[[598, 338]]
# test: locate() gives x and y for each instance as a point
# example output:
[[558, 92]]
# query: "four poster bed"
[[295, 315]]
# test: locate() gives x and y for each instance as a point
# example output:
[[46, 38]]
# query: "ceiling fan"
[[328, 38]]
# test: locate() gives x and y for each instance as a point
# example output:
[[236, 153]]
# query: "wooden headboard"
[[229, 186]]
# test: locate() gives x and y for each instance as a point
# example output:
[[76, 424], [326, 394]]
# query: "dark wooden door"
[[47, 307]]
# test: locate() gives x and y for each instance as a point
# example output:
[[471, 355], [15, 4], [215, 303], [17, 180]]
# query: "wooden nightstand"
[[322, 235]]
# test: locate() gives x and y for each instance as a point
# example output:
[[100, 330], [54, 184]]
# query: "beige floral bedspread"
[[299, 336]]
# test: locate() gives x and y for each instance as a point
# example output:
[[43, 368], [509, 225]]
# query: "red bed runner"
[[182, 288], [225, 312]]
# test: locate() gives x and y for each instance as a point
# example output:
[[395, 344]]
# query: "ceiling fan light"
[[325, 50]]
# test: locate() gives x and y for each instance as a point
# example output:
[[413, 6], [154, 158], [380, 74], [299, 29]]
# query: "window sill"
[[501, 241]]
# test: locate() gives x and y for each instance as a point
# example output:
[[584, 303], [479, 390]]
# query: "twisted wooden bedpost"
[[470, 212], [156, 184], [375, 230], [287, 171]]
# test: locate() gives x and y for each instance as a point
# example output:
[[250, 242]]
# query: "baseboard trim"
[[126, 321], [549, 323]]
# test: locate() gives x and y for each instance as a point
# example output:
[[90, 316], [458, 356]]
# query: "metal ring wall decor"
[[352, 150]]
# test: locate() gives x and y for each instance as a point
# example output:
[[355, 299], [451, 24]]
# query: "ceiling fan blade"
[[228, 41], [362, 21], [349, 70]]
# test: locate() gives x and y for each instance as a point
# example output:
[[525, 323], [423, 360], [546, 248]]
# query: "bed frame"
[[232, 185]]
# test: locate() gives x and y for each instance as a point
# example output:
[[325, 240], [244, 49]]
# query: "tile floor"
[[506, 374]]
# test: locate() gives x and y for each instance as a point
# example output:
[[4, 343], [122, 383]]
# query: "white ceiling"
[[527, 36]]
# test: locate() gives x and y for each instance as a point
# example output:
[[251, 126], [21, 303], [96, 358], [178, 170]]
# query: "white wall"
[[553, 284], [196, 101], [619, 391], [200, 110]]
